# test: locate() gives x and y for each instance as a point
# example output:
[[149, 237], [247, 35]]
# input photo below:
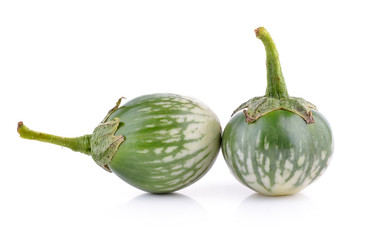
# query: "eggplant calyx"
[[113, 109], [259, 106], [104, 143]]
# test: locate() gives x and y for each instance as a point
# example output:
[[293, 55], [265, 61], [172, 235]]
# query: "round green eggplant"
[[159, 143], [279, 154], [277, 144]]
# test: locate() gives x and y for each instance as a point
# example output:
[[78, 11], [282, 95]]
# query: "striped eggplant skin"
[[279, 154], [171, 141]]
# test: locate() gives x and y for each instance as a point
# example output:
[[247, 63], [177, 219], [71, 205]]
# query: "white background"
[[63, 65]]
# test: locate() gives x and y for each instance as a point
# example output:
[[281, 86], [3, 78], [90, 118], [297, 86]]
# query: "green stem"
[[78, 144], [276, 87]]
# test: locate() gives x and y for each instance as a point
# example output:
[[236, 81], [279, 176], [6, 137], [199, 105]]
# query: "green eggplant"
[[159, 143], [277, 144]]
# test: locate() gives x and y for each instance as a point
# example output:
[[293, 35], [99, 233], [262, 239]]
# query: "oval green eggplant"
[[159, 143], [277, 144]]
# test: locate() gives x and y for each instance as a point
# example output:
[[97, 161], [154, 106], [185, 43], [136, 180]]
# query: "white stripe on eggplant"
[[158, 150], [266, 143], [323, 153], [177, 172], [301, 160], [171, 140], [170, 149], [267, 164], [143, 151]]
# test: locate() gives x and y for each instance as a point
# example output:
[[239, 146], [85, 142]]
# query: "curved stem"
[[276, 87], [78, 144]]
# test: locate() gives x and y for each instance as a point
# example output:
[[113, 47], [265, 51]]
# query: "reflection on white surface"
[[293, 207], [157, 208]]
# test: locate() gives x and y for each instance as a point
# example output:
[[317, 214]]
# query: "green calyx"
[[101, 145], [276, 96], [260, 106], [104, 143]]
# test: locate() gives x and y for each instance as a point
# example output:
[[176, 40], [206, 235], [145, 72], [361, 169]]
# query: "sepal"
[[259, 106]]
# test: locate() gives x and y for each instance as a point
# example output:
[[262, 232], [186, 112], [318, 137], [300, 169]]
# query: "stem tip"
[[260, 32], [20, 124], [257, 31]]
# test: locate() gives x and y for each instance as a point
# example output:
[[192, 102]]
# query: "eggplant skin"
[[171, 141], [279, 154]]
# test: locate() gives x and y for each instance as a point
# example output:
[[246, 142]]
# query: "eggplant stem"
[[77, 144], [276, 87]]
